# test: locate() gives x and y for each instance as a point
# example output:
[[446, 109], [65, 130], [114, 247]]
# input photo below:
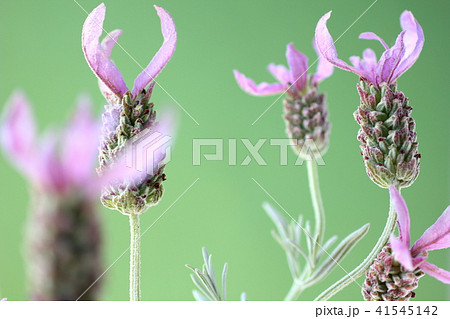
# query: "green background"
[[40, 52]]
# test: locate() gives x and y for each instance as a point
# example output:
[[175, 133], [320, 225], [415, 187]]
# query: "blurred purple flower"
[[295, 77], [393, 62], [54, 162], [98, 54], [63, 234], [4, 299], [437, 236]]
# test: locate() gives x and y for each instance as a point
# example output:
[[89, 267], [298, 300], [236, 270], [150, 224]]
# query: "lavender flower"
[[63, 235], [129, 128], [129, 113], [305, 110], [387, 134], [4, 299], [398, 268]]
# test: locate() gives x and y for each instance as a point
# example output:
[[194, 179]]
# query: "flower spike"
[[396, 271], [305, 111], [63, 233], [132, 140], [388, 138]]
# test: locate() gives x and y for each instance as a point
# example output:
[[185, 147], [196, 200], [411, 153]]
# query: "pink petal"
[[413, 42], [164, 54], [97, 56], [373, 36], [298, 65], [402, 213], [324, 68], [435, 237], [81, 141], [355, 60], [53, 176], [18, 133], [325, 45], [280, 72], [110, 41], [107, 45], [367, 65], [436, 272], [249, 86], [402, 253], [390, 60]]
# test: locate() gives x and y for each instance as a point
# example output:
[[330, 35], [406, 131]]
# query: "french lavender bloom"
[[130, 114], [387, 134], [305, 110], [397, 269], [63, 241]]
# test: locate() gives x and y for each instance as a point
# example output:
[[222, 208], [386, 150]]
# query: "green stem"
[[135, 259], [319, 213], [294, 292], [319, 231], [361, 269]]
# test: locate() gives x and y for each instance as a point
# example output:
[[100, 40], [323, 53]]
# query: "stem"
[[135, 258], [319, 232], [319, 213], [360, 270], [294, 292]]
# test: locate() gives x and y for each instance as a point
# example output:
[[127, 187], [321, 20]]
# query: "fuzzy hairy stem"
[[319, 212], [361, 269], [135, 258], [294, 292]]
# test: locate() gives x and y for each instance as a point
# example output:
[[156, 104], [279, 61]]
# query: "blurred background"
[[40, 52]]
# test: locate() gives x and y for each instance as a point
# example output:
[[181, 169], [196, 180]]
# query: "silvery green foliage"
[[310, 264], [205, 280]]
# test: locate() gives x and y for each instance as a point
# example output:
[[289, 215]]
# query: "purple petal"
[[435, 237], [402, 213], [390, 60], [355, 60], [52, 175], [249, 86], [18, 133], [436, 272], [97, 55], [3, 299], [373, 36], [402, 253], [280, 72], [81, 141], [367, 65], [107, 45], [413, 42], [298, 65], [324, 68], [164, 54], [325, 45]]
